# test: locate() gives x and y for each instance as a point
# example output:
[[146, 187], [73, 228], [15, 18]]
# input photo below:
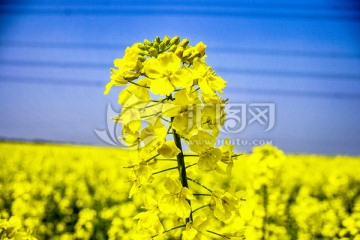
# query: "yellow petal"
[[208, 160], [183, 208], [169, 61], [153, 68], [216, 82], [219, 211], [168, 149], [142, 92], [117, 77], [134, 94], [168, 204], [205, 87], [129, 115], [129, 136], [124, 96], [108, 87], [182, 78], [161, 86], [189, 234], [173, 185], [170, 110], [199, 69], [185, 192], [201, 142]]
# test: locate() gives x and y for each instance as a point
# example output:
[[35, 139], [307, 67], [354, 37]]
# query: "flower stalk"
[[181, 166]]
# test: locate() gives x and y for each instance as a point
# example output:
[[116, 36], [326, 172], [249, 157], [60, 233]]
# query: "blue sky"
[[303, 56]]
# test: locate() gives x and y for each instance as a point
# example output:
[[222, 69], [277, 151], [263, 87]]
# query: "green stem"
[[191, 165], [165, 159], [207, 205], [217, 234], [152, 158], [159, 101], [194, 181], [165, 120], [151, 115], [181, 166], [165, 170], [155, 104], [197, 89], [138, 84], [181, 226], [174, 228], [190, 155], [202, 194], [148, 160]]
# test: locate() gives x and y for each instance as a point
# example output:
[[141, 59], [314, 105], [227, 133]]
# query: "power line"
[[251, 72], [292, 93], [53, 81], [55, 64], [234, 4], [290, 74], [228, 12], [281, 52], [231, 50], [254, 91], [73, 45]]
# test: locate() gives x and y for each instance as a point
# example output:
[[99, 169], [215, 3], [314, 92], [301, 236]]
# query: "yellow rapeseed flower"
[[166, 73], [127, 68], [203, 144], [208, 82], [194, 229], [175, 202]]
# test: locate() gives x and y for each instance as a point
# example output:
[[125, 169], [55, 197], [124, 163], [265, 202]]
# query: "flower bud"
[[157, 39], [142, 58], [173, 48], [130, 76], [166, 40], [184, 42], [200, 47], [152, 51], [193, 55], [187, 53], [175, 40], [141, 47], [147, 42], [162, 46], [179, 52]]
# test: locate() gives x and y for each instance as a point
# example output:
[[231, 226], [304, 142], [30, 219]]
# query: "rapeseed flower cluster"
[[171, 91]]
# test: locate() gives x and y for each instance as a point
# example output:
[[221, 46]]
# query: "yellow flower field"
[[50, 191]]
